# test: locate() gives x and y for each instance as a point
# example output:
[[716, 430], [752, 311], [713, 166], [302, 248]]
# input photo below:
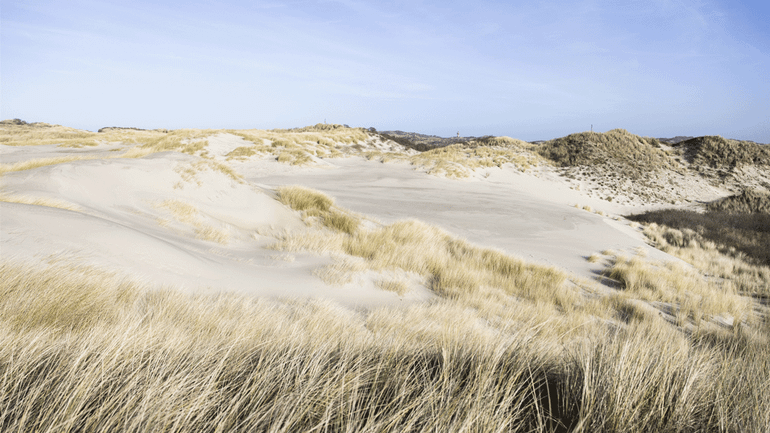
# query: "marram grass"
[[86, 351]]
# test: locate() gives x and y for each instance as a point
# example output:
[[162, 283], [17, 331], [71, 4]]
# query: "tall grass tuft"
[[317, 204]]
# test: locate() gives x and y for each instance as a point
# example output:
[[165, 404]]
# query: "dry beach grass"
[[87, 351]]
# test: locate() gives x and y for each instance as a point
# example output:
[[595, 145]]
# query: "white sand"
[[120, 224]]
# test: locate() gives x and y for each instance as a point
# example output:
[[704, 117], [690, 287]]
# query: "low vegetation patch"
[[314, 203], [396, 286], [190, 215], [41, 162], [738, 235], [748, 201], [36, 134], [296, 146], [458, 160], [294, 157], [189, 141], [242, 153], [38, 201]]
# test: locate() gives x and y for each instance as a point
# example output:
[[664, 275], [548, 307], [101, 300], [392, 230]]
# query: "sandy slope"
[[519, 213], [124, 217]]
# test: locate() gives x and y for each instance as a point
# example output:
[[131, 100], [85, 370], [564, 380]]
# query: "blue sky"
[[528, 69]]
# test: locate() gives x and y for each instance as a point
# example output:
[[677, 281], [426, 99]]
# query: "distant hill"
[[127, 128], [721, 153], [670, 171], [675, 140], [19, 122], [422, 142], [626, 152]]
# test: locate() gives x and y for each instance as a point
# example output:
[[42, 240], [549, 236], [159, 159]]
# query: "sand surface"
[[121, 217]]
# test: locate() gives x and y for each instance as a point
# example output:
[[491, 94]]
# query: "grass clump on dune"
[[38, 201], [241, 153], [42, 162], [189, 141], [453, 266], [190, 215], [36, 134], [141, 142], [314, 203], [305, 199], [294, 157]]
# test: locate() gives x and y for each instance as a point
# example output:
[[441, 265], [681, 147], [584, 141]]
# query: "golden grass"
[[31, 135], [705, 255], [189, 172], [82, 350], [42, 162], [294, 157], [395, 286], [241, 153], [506, 346], [457, 270], [459, 160], [189, 214], [209, 233], [305, 199], [38, 201], [692, 294], [594, 258], [189, 141], [341, 271], [300, 146], [634, 154], [314, 203], [183, 140], [135, 152], [296, 146]]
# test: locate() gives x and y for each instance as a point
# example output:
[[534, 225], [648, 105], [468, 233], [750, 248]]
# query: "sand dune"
[[179, 219]]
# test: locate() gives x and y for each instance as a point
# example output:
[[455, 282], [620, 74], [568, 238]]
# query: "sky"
[[531, 70]]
